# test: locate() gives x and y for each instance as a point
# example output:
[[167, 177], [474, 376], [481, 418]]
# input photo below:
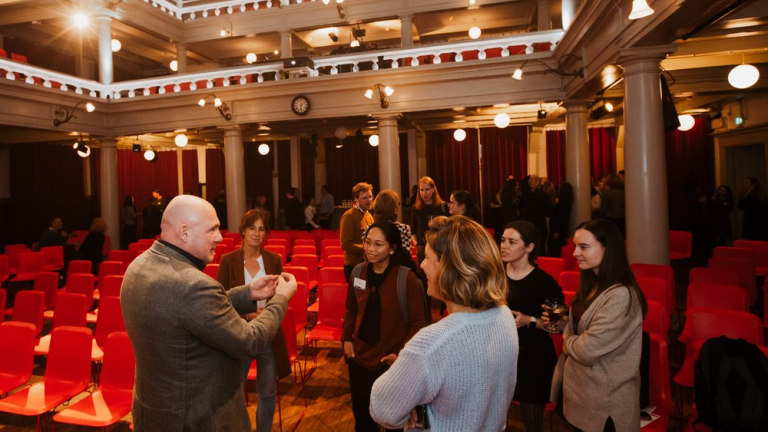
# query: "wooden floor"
[[327, 394]]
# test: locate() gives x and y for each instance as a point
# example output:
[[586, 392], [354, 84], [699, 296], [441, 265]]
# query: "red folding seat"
[[211, 270], [30, 264], [17, 354], [680, 245], [760, 249], [70, 311], [28, 307], [745, 270], [53, 258], [660, 271], [553, 266]]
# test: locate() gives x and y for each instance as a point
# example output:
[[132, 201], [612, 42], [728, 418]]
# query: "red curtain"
[[505, 152], [690, 165], [258, 173], [355, 162], [602, 152], [189, 172], [556, 156], [138, 177], [452, 164], [214, 172]]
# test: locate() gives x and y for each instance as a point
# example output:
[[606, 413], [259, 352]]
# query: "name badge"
[[359, 284]]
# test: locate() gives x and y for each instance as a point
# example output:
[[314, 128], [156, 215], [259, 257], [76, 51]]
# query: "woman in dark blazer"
[[239, 267]]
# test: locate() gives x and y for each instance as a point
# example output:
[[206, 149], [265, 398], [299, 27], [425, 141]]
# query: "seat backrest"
[[4, 268], [659, 391], [109, 268], [568, 296], [69, 358], [28, 307], [330, 275], [712, 295], [301, 273], [9, 247], [79, 266], [211, 270], [289, 331], [15, 254], [83, 284], [328, 242], [299, 303], [566, 253], [304, 250], [735, 253], [111, 285], [681, 242], [655, 289], [31, 262], [705, 324], [308, 261], [332, 298], [334, 261], [110, 319], [119, 363], [3, 298], [48, 283], [280, 250], [708, 275], [304, 242], [660, 271], [759, 248], [53, 256], [331, 250], [745, 270], [70, 310], [17, 349], [106, 246], [569, 280], [656, 321], [553, 266], [119, 255]]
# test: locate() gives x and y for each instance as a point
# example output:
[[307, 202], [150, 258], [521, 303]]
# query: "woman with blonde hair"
[[428, 205], [439, 366]]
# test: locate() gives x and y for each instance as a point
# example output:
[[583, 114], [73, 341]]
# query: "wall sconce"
[[640, 9], [220, 106], [384, 92], [66, 114], [567, 60]]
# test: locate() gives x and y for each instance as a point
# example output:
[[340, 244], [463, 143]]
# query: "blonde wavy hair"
[[470, 272]]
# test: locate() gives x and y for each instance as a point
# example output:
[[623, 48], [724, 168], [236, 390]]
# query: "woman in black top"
[[529, 286], [428, 205]]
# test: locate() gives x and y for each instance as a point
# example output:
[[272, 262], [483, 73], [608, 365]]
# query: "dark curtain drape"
[[556, 156], [47, 180], [452, 164], [308, 162], [690, 173], [189, 172], [283, 174], [214, 172], [602, 152], [405, 188], [355, 162], [258, 173], [505, 152]]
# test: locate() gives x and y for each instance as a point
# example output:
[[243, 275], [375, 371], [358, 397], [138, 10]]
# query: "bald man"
[[192, 348]]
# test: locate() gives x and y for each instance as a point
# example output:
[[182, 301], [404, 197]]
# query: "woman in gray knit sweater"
[[463, 368]]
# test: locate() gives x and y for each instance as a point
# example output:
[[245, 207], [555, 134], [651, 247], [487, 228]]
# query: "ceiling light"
[[743, 76], [174, 65], [541, 114], [116, 45], [264, 149], [81, 20], [250, 58], [136, 147], [640, 9], [687, 122], [82, 150], [475, 32], [501, 120], [181, 140], [373, 140], [223, 32], [276, 52], [459, 135], [341, 132], [150, 155], [355, 43]]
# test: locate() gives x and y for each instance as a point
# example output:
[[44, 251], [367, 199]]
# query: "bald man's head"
[[190, 223]]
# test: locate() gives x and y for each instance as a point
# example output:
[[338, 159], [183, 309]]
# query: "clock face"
[[300, 105]]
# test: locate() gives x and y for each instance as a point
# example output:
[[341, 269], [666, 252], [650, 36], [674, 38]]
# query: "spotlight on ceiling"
[[687, 122], [333, 36], [136, 148], [600, 109], [541, 113], [82, 150], [459, 135], [358, 32]]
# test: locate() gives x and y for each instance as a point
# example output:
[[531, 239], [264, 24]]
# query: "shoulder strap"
[[402, 293]]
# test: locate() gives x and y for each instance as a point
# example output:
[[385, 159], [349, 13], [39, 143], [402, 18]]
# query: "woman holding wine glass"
[[598, 373], [529, 287]]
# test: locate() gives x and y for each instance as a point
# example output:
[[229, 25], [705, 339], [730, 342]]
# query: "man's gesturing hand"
[[286, 285], [263, 287]]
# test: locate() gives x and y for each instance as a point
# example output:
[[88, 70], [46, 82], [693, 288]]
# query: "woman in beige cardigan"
[[598, 373], [238, 268]]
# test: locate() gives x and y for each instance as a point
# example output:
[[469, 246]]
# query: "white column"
[[413, 172], [577, 160], [389, 153], [105, 49], [545, 22], [569, 8], [110, 200], [181, 58], [234, 169], [296, 162], [645, 166], [406, 31], [286, 44]]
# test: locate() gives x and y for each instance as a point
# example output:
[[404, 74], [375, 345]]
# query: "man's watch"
[[532, 324]]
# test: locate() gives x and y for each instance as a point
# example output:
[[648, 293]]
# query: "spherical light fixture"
[[501, 120], [743, 76], [181, 140], [373, 140], [687, 122], [174, 65], [459, 135], [341, 132], [250, 58], [475, 32], [116, 45], [150, 155], [264, 149]]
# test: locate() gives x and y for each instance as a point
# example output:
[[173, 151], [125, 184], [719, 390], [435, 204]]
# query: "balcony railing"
[[456, 52]]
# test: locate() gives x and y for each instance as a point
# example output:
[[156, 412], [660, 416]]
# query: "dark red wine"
[[556, 314]]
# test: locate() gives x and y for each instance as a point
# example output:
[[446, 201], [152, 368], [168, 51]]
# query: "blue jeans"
[[266, 388]]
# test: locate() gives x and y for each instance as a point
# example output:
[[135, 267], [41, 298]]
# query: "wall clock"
[[300, 105]]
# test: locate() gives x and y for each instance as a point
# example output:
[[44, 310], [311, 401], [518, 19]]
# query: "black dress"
[[537, 358]]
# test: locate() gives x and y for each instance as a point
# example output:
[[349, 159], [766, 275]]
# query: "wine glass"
[[555, 307]]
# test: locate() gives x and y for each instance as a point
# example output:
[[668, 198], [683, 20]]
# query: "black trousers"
[[609, 426], [360, 384]]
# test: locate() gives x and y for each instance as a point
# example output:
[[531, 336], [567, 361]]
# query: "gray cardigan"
[[599, 369], [192, 348]]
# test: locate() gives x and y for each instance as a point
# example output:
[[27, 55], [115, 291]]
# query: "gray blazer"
[[192, 348]]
